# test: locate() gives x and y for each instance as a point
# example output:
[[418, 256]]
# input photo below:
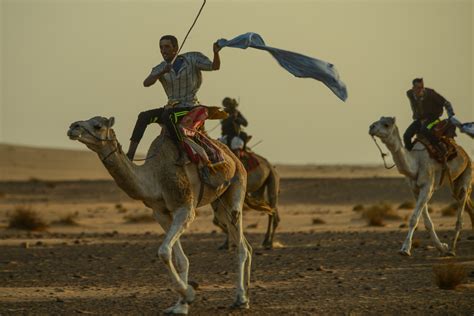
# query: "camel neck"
[[124, 172], [402, 158]]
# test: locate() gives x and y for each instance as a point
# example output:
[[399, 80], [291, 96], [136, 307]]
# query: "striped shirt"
[[181, 87]]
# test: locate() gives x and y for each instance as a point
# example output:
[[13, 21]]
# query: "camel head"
[[95, 133], [383, 128]]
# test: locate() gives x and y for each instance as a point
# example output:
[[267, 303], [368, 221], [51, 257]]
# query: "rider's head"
[[168, 47], [418, 86], [229, 103]]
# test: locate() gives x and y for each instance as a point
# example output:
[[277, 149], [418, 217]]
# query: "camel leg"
[[462, 189], [423, 197], [230, 214], [180, 262], [267, 243], [273, 183], [442, 247], [215, 221], [178, 266]]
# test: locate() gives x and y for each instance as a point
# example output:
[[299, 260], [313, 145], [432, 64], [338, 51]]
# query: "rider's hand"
[[216, 48], [167, 68]]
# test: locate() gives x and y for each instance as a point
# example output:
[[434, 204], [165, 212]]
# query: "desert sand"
[[327, 259]]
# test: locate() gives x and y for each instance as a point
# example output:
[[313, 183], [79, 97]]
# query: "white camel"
[[174, 193], [424, 175]]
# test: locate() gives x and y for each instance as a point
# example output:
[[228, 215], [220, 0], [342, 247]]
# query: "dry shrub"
[[68, 220], [450, 210], [26, 219], [449, 276], [358, 208], [318, 221], [120, 208], [407, 205], [139, 218], [376, 214]]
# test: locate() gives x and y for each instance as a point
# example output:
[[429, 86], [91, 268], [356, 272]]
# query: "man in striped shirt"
[[181, 81]]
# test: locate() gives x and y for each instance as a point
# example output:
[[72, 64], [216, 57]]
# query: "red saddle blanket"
[[249, 160], [197, 145]]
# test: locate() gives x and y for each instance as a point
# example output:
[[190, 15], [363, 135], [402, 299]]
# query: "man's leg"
[[169, 120], [410, 132], [144, 118], [428, 133]]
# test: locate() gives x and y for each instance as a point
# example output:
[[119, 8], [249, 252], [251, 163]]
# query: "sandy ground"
[[106, 265]]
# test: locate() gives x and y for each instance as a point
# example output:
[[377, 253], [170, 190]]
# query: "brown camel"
[[174, 193], [264, 178]]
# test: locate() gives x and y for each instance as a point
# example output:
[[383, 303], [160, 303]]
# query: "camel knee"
[[165, 253]]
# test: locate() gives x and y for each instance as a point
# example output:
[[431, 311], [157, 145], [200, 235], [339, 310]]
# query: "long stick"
[[189, 31]]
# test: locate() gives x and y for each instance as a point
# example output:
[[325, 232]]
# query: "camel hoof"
[[240, 305], [404, 253], [178, 309], [451, 253], [268, 246], [224, 246]]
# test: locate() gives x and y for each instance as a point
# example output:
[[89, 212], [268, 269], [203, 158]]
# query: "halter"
[[106, 139], [382, 154]]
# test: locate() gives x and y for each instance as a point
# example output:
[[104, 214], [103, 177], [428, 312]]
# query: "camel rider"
[[427, 106], [181, 81], [231, 126]]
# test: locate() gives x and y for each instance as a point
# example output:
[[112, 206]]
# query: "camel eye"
[[97, 126], [386, 125]]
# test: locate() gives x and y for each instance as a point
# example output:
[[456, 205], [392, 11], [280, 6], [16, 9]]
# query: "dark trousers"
[[159, 116], [418, 128]]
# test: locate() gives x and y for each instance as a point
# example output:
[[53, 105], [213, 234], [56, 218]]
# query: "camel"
[[425, 176], [173, 193], [263, 178]]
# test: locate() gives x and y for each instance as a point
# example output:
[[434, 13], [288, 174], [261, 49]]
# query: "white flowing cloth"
[[299, 65]]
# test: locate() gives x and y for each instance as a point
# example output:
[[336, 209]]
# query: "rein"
[[382, 154]]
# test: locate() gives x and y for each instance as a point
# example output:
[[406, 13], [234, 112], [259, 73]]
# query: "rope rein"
[[383, 155]]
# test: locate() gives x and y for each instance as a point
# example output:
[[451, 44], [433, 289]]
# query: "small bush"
[[376, 214], [449, 276], [407, 205], [68, 220], [26, 219], [318, 221], [120, 208], [450, 210], [139, 218], [358, 208]]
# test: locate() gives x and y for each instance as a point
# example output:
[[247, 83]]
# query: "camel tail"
[[258, 205]]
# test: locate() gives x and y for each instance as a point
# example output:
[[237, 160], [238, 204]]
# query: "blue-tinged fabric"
[[299, 65]]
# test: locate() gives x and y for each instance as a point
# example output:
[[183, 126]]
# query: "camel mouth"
[[74, 133]]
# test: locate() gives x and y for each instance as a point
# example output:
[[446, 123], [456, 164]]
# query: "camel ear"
[[393, 119], [111, 122]]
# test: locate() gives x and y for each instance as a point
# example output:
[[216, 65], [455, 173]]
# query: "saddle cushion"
[[434, 153]]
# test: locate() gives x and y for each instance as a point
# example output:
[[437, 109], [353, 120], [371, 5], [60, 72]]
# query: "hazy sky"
[[69, 60]]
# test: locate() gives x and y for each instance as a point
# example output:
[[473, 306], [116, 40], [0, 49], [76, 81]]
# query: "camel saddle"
[[445, 132], [249, 160], [198, 146]]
